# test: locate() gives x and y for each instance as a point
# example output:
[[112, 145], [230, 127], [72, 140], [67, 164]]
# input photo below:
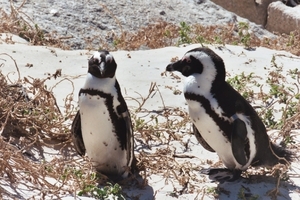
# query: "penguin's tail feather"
[[282, 154]]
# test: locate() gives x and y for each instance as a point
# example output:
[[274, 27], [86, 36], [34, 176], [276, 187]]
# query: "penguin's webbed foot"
[[222, 174]]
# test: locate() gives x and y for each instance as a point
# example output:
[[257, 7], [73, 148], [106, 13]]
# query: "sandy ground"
[[136, 71]]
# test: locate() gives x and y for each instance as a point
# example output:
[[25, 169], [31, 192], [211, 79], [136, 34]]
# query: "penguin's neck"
[[101, 84], [197, 84]]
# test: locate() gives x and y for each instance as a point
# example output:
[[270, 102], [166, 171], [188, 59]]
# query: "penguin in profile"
[[102, 127], [223, 121]]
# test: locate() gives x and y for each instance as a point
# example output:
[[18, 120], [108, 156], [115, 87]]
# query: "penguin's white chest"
[[212, 134], [98, 132]]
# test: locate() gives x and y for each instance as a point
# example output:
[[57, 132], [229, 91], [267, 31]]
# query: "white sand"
[[136, 71]]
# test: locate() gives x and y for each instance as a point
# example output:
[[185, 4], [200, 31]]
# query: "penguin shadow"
[[255, 187], [133, 187], [136, 187], [67, 151]]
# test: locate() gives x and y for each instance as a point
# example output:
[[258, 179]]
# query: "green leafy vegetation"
[[184, 33], [113, 191], [244, 195]]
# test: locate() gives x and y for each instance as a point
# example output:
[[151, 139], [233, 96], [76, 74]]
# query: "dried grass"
[[156, 35], [30, 121], [18, 23]]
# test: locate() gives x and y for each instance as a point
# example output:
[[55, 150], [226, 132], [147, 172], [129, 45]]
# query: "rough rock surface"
[[86, 23], [255, 10], [283, 19], [272, 14]]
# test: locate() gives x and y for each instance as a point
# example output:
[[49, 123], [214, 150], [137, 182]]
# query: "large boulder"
[[282, 18], [254, 10]]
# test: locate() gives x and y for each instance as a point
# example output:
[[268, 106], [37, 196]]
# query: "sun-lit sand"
[[136, 71]]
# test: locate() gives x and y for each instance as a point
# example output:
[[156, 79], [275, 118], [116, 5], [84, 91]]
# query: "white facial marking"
[[109, 58], [205, 79], [97, 55], [101, 67]]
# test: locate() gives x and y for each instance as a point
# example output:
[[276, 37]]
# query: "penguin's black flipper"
[[130, 141], [127, 136], [201, 140], [238, 141], [77, 135]]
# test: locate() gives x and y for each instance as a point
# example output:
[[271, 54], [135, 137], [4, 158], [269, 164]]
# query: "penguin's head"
[[203, 62], [102, 65]]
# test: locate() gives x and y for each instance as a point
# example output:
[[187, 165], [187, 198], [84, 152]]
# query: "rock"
[[54, 12], [291, 3], [199, 1], [282, 18], [253, 10], [162, 12], [79, 21]]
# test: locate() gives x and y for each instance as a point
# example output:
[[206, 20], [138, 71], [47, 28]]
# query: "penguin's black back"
[[268, 153]]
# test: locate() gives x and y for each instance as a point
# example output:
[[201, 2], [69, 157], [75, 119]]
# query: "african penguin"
[[102, 127], [223, 121]]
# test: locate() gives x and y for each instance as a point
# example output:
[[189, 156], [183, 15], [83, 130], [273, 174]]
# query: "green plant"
[[288, 140], [184, 32], [291, 39], [108, 191], [167, 33], [200, 39], [116, 41], [269, 119], [39, 32], [294, 73], [218, 40], [212, 190], [241, 84], [243, 32], [246, 196], [139, 123]]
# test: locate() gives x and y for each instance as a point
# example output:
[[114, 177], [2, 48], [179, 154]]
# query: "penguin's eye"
[[186, 70], [93, 61], [96, 60]]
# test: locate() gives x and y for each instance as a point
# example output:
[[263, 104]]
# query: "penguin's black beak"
[[170, 68], [93, 67], [181, 66], [175, 66]]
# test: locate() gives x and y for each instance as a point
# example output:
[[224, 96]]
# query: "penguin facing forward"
[[102, 127], [223, 121]]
